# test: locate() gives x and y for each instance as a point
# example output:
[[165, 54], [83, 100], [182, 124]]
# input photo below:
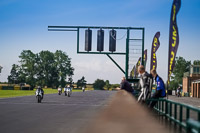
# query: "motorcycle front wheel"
[[68, 95], [39, 99]]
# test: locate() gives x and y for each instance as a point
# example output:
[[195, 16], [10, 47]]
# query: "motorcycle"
[[39, 95], [68, 92], [59, 91], [83, 89]]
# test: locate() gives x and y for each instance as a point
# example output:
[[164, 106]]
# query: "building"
[[189, 77], [195, 89]]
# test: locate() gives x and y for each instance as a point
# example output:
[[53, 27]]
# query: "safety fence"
[[186, 116]]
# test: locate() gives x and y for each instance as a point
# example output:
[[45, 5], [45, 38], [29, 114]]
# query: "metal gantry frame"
[[77, 29]]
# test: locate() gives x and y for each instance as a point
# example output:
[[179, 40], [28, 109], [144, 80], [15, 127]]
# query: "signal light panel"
[[88, 40], [112, 40], [100, 40]]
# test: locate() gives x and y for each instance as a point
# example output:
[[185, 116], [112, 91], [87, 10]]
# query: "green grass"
[[15, 93]]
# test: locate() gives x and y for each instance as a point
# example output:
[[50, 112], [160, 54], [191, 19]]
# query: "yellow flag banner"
[[173, 37]]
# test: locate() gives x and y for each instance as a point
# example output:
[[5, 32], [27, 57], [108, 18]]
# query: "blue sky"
[[24, 23]]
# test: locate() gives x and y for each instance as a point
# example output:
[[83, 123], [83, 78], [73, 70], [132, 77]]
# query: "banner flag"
[[173, 37], [132, 74], [154, 48], [137, 65]]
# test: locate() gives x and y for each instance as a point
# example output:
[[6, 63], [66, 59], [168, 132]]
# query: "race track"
[[56, 114]]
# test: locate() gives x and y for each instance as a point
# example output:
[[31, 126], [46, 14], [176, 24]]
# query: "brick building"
[[195, 88], [189, 77]]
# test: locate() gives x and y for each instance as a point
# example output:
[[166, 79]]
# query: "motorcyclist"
[[42, 91], [83, 89], [66, 88], [59, 89]]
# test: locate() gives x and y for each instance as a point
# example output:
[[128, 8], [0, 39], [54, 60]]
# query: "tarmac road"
[[56, 114]]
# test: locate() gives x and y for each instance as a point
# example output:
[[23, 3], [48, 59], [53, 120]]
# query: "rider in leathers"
[[145, 84]]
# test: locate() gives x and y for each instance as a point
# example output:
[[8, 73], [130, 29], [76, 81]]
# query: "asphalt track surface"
[[56, 114]]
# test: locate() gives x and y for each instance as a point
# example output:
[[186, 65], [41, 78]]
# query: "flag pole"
[[168, 88]]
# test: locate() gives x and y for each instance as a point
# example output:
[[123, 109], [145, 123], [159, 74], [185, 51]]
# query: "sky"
[[24, 26]]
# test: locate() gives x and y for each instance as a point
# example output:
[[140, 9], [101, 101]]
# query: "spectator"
[[179, 91], [125, 86], [145, 84], [160, 89]]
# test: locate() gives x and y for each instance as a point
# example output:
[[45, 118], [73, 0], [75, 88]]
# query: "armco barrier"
[[7, 87]]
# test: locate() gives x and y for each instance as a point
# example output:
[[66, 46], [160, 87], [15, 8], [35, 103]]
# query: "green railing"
[[193, 126], [176, 112]]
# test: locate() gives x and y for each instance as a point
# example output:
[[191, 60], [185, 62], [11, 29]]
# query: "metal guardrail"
[[165, 107]]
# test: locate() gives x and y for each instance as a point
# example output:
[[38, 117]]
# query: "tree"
[[13, 78], [181, 66], [81, 82], [28, 65], [64, 68], [44, 68], [70, 81], [173, 84], [99, 84], [1, 68], [107, 85], [196, 62]]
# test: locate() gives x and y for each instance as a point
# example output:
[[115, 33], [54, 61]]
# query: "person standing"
[[160, 89], [145, 84], [179, 91]]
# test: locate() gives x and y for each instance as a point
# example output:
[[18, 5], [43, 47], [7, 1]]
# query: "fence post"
[[170, 109], [175, 112], [180, 116], [166, 107], [187, 113], [159, 104]]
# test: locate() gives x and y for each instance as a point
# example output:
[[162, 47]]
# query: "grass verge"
[[15, 93]]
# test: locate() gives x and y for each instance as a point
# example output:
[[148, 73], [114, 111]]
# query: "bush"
[[99, 84]]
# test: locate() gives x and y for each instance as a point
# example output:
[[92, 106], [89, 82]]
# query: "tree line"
[[181, 66], [104, 85], [53, 69], [44, 68], [48, 69]]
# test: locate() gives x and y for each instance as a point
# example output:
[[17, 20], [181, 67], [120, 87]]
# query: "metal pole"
[[94, 27], [77, 40], [115, 63], [167, 87], [127, 54], [143, 46]]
